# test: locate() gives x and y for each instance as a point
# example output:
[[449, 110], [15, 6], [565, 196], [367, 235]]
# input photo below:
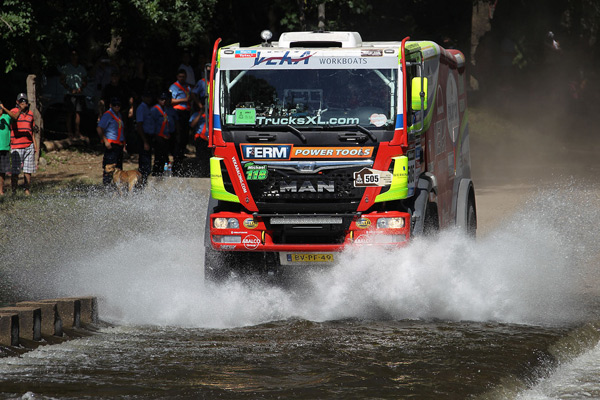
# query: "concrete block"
[[30, 321], [69, 311], [88, 310], [9, 329], [51, 322]]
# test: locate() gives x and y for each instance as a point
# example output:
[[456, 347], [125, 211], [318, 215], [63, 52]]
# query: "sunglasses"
[[23, 101]]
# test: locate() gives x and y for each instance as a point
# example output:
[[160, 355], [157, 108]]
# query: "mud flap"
[[419, 206]]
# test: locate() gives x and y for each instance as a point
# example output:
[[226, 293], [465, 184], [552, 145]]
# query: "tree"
[[35, 34]]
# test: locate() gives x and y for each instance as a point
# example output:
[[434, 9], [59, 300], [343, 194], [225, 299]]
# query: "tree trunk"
[[301, 17], [37, 116]]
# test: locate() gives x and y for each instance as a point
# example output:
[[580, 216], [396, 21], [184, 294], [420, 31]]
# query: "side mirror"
[[416, 91]]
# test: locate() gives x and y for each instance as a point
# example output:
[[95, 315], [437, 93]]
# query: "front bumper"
[[254, 233]]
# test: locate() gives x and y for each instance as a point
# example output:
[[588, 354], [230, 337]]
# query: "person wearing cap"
[[145, 130], [6, 119], [180, 99], [74, 80], [112, 134], [22, 144], [165, 125]]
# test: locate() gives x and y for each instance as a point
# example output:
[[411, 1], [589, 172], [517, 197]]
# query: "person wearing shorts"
[[22, 144], [6, 118]]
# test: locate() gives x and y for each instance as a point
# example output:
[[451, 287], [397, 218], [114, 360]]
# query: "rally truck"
[[322, 140]]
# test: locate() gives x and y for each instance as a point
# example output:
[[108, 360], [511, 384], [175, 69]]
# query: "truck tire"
[[466, 209], [471, 218]]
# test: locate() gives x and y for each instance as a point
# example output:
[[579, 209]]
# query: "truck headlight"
[[390, 223], [226, 223]]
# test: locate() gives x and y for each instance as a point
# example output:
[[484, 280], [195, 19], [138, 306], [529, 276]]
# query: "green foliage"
[[303, 14], [35, 34]]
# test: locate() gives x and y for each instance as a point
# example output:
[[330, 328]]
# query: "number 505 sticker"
[[367, 177]]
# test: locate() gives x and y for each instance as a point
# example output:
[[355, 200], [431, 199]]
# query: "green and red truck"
[[322, 140]]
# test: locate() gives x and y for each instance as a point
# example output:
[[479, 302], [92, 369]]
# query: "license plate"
[[305, 258]]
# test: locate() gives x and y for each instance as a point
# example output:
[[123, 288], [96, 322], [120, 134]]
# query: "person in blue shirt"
[[145, 129], [181, 95], [112, 134], [164, 120]]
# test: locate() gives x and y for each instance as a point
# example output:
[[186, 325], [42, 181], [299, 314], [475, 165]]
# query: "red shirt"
[[21, 131]]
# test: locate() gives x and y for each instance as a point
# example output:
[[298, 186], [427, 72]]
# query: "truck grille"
[[285, 185]]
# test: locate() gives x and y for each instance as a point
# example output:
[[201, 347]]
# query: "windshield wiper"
[[356, 126], [290, 128]]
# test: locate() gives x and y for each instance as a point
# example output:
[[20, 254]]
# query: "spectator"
[[165, 120], [74, 79], [198, 125], [114, 89], [111, 131], [180, 93], [145, 130], [189, 70], [22, 144], [199, 93], [5, 122]]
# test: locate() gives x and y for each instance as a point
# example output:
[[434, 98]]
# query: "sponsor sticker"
[[332, 152], [368, 177], [250, 223], [363, 223], [284, 59], [304, 120], [378, 119], [256, 172], [371, 53], [251, 242], [266, 152], [245, 54], [239, 174], [245, 116]]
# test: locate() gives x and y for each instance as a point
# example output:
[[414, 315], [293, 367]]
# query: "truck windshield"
[[309, 97]]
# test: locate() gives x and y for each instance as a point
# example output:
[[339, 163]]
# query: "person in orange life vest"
[[180, 99], [6, 119], [22, 144], [112, 134], [145, 130], [198, 125], [165, 122]]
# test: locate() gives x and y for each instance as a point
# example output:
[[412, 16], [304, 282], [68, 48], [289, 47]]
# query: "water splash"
[[143, 257]]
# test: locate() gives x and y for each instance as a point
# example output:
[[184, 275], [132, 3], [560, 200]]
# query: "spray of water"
[[143, 257]]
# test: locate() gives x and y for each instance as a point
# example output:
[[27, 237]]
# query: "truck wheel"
[[466, 210], [471, 218]]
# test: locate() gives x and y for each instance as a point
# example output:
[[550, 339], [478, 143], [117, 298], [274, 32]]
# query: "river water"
[[511, 315]]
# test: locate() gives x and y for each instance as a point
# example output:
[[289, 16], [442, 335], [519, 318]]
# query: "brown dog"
[[123, 178]]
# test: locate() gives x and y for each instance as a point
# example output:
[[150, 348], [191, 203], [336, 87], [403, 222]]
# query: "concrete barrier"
[[51, 321], [88, 309], [69, 311], [30, 321], [9, 329]]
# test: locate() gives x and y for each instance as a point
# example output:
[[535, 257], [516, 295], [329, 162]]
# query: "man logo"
[[266, 152], [306, 187]]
